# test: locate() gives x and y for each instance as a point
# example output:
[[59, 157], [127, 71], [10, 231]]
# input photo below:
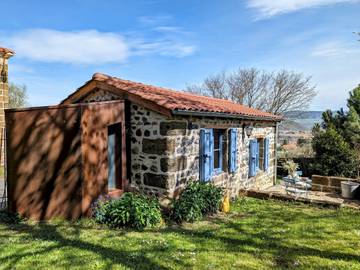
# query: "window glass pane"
[[216, 139], [217, 148], [216, 159], [111, 162], [114, 156]]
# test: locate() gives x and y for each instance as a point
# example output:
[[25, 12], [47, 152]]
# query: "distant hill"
[[290, 125], [303, 115], [300, 120]]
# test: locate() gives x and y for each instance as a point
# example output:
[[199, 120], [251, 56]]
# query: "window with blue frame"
[[232, 144], [211, 153], [261, 152], [218, 150], [259, 155]]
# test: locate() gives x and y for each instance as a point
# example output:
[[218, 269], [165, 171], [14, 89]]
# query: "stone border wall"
[[329, 183]]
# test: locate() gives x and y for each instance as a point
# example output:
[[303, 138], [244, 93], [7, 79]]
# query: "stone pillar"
[[5, 54]]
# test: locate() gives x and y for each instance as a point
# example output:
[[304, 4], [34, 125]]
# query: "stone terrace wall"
[[165, 153], [329, 183]]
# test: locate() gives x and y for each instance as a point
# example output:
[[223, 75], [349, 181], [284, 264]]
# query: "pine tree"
[[333, 155], [352, 124], [336, 142]]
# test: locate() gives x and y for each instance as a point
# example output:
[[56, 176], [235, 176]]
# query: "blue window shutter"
[[233, 150], [252, 158], [266, 154], [206, 154]]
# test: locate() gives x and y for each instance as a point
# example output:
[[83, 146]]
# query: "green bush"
[[198, 199], [9, 218], [333, 155], [131, 210]]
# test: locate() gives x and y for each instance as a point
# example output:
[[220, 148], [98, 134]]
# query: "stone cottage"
[[157, 141]]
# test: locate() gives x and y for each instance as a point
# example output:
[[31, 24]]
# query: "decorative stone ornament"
[[4, 55], [249, 130], [4, 75]]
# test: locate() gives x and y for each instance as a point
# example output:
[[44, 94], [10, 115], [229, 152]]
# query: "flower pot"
[[348, 189]]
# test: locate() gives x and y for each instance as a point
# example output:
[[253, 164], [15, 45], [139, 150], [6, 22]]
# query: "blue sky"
[[60, 44]]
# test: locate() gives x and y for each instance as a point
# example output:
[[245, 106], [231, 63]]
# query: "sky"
[[59, 45]]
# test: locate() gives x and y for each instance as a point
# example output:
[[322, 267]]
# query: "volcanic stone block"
[[320, 180], [315, 187], [173, 164], [173, 128], [158, 146], [156, 180], [336, 181]]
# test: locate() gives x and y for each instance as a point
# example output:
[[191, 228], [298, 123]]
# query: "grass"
[[255, 235]]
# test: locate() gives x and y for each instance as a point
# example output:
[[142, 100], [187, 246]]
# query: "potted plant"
[[291, 167]]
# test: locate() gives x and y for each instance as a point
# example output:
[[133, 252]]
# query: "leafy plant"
[[198, 199], [337, 141], [9, 218], [131, 210], [333, 155], [290, 166]]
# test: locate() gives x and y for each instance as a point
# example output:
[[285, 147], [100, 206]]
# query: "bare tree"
[[290, 92], [17, 96], [213, 86], [249, 86], [273, 92]]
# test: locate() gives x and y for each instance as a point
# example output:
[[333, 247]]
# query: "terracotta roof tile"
[[176, 100]]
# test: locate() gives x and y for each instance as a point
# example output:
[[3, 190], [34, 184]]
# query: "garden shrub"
[[131, 210], [336, 141], [197, 199], [333, 155]]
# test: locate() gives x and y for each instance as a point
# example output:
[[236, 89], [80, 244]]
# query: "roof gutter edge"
[[225, 115]]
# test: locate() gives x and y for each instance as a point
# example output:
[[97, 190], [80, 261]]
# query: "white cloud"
[[78, 47], [332, 65], [333, 49], [164, 48], [269, 8], [154, 20], [94, 47]]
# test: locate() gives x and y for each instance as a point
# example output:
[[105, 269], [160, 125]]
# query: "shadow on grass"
[[284, 254], [256, 234], [49, 232]]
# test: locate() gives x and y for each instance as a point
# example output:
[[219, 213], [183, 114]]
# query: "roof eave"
[[224, 115]]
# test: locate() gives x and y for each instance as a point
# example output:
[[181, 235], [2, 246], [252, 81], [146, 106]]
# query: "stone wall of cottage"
[[165, 151]]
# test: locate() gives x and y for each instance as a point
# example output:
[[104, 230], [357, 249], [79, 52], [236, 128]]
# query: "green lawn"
[[256, 235]]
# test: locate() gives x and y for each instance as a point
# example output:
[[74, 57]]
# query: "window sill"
[[115, 193], [217, 172], [259, 173]]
